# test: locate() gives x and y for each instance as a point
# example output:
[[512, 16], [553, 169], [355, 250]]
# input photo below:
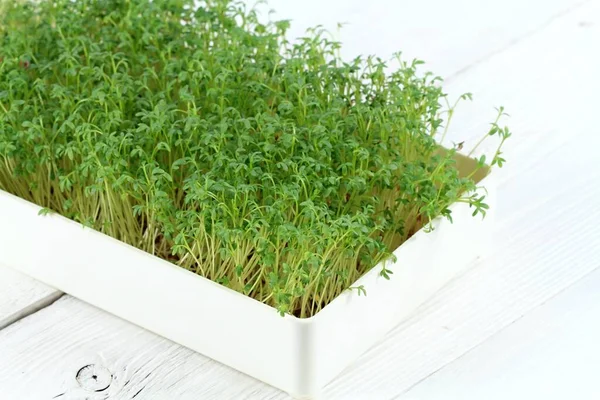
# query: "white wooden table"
[[522, 324]]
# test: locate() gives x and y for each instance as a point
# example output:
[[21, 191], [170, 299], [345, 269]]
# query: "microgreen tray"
[[299, 356]]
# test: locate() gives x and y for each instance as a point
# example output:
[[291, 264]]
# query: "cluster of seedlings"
[[196, 133]]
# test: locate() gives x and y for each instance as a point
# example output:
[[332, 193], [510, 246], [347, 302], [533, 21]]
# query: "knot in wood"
[[94, 378]]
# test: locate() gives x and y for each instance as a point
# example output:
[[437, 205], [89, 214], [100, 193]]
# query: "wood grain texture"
[[21, 296], [551, 354], [547, 240], [71, 350]]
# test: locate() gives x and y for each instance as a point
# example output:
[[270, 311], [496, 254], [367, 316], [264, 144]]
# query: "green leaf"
[[386, 273], [45, 211]]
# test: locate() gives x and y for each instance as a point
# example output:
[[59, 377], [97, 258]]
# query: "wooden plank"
[[72, 350], [21, 296], [550, 354]]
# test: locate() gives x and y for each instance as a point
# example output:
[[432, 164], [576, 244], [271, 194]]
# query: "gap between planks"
[[21, 296]]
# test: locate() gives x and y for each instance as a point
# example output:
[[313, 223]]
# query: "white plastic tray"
[[299, 356]]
